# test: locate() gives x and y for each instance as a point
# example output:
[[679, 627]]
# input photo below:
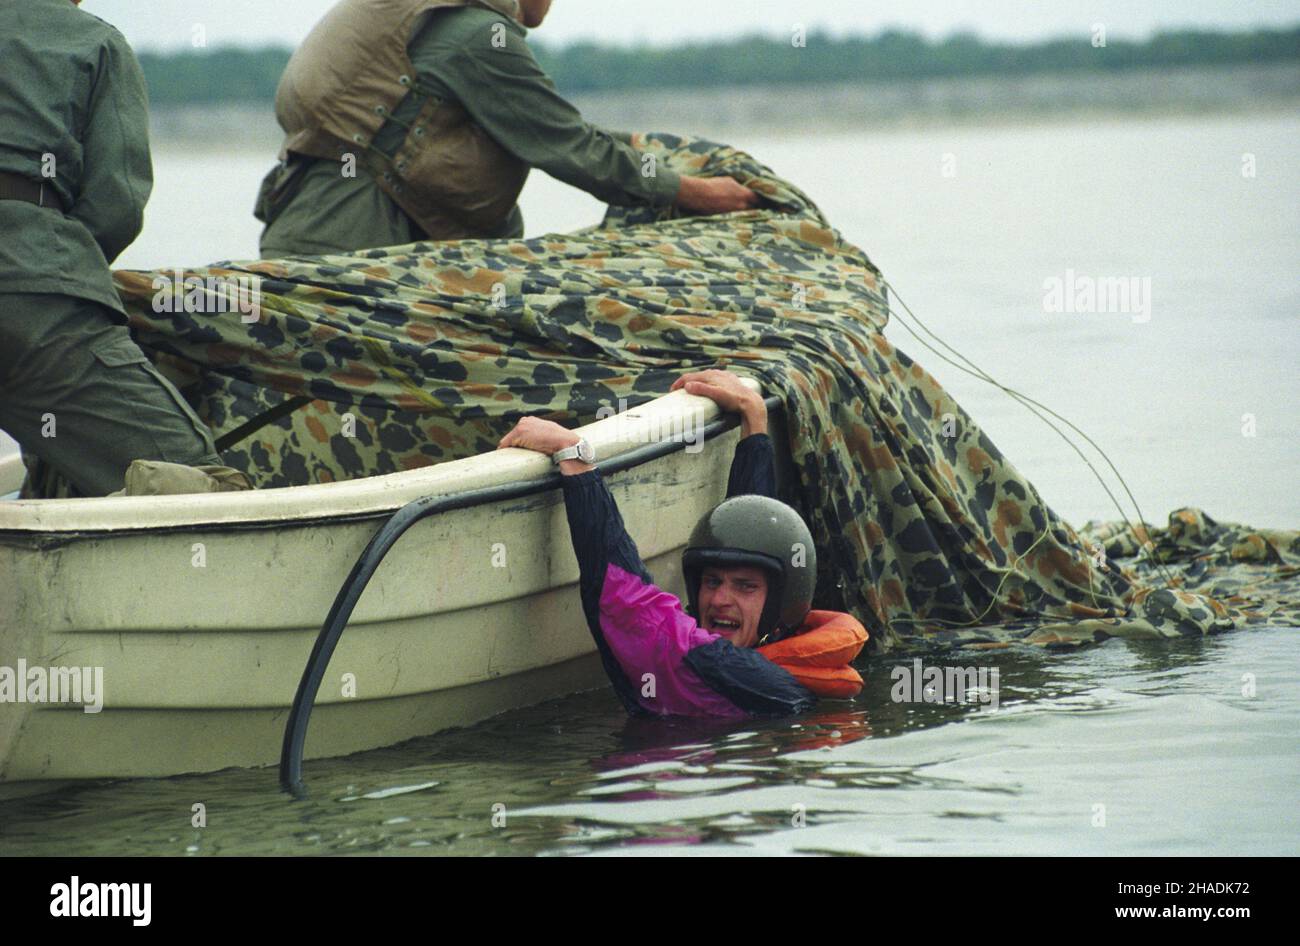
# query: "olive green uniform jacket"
[[507, 93], [73, 113], [75, 390]]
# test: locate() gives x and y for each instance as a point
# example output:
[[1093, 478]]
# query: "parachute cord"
[[1010, 570], [1147, 547]]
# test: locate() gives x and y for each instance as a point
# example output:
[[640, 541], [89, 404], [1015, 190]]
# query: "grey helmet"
[[764, 533]]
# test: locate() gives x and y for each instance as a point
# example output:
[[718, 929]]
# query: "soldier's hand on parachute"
[[714, 195]]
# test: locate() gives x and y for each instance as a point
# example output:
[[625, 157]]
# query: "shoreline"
[[1039, 99]]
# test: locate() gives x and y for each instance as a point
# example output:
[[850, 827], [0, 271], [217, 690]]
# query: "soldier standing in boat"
[[75, 174], [408, 120]]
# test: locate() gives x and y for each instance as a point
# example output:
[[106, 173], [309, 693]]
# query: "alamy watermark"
[[1130, 295], [933, 684], [176, 292], [75, 899], [654, 428], [24, 684]]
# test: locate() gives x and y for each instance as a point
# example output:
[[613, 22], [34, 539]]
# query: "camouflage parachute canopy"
[[925, 531]]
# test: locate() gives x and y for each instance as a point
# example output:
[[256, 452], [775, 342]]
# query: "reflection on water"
[[1125, 748]]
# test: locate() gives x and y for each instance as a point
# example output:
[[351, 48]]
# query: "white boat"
[[201, 610]]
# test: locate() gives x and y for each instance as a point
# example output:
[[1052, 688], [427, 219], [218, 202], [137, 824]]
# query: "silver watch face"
[[586, 452]]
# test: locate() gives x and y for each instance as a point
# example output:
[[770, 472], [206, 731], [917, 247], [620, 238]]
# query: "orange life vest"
[[819, 653]]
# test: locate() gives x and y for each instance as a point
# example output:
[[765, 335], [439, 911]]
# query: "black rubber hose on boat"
[[295, 730]]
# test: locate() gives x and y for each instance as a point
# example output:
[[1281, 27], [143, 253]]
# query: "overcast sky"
[[170, 24]]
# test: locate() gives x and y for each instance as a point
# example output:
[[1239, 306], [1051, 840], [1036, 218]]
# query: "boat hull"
[[201, 626]]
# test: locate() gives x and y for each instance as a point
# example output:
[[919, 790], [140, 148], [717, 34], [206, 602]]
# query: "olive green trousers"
[[77, 392]]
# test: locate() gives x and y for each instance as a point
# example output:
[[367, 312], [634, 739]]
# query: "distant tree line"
[[229, 75]]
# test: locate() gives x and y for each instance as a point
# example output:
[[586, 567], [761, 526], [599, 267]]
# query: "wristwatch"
[[579, 451]]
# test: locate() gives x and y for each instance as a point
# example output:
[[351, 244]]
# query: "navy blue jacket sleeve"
[[599, 538], [750, 680], [753, 468]]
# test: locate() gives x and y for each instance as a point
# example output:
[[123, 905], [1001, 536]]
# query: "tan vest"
[[343, 83]]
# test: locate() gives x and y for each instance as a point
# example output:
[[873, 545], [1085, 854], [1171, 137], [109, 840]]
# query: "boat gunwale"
[[620, 438]]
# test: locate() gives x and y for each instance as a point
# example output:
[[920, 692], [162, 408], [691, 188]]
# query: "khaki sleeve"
[[506, 91], [118, 174]]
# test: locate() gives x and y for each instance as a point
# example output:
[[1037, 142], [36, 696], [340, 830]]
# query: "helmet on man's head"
[[762, 533]]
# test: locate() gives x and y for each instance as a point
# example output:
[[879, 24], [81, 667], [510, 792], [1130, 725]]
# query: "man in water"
[[75, 174], [408, 120], [753, 646]]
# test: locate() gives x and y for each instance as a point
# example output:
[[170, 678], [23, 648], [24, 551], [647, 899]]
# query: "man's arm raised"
[[641, 631], [753, 468], [496, 78]]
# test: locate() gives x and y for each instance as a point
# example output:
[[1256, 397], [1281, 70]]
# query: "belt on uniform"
[[17, 187]]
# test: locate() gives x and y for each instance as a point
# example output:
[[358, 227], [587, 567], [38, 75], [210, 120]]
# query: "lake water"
[[1187, 747], [1126, 748]]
